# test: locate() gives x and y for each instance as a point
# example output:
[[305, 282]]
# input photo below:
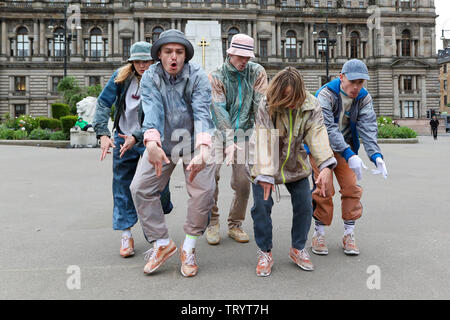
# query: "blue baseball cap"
[[355, 70]]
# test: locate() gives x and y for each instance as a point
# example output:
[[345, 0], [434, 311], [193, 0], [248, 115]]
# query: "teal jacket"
[[236, 96]]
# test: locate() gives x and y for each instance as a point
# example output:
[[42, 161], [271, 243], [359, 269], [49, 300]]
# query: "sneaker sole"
[[239, 240], [127, 255], [351, 252], [264, 274], [320, 253], [187, 276], [213, 243], [164, 260], [302, 267]]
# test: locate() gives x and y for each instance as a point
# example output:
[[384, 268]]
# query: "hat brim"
[[240, 52], [357, 76], [141, 58], [172, 39]]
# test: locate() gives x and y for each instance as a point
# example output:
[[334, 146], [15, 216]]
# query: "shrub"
[[6, 133], [20, 135], [26, 121], [49, 123], [58, 135], [382, 121], [68, 122], [394, 132], [60, 110], [39, 134]]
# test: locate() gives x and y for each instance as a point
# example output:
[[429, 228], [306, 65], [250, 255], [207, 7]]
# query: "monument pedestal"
[[83, 139]]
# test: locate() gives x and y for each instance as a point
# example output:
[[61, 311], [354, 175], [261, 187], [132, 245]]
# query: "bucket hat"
[[140, 51], [172, 36], [241, 45]]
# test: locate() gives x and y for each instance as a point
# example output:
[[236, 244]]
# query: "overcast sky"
[[443, 21]]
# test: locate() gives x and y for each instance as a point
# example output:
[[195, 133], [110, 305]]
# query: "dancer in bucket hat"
[[175, 94], [237, 88], [349, 115], [123, 91]]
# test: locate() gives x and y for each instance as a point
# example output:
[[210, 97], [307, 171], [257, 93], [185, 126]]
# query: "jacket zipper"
[[240, 101], [289, 146]]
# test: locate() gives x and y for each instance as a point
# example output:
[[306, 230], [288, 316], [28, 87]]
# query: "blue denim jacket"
[[113, 93], [176, 107]]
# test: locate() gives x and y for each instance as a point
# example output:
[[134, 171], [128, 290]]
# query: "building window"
[[23, 44], [322, 45], [406, 43], [445, 84], [349, 4], [354, 44], [58, 43], [19, 109], [126, 45], [407, 83], [291, 45], [405, 3], [94, 80], [263, 49], [445, 100], [155, 33], [226, 43], [408, 109], [316, 3], [20, 85], [96, 44], [445, 68], [361, 4], [55, 82], [330, 4]]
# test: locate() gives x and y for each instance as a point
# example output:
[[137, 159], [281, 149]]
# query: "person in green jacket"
[[83, 125], [237, 88]]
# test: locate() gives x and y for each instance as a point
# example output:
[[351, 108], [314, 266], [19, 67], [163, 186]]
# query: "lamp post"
[[327, 44]]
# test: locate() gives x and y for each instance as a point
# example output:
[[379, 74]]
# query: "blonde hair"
[[288, 77], [127, 71]]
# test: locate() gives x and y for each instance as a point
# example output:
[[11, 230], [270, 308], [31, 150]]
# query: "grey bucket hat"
[[355, 70], [172, 36], [140, 51]]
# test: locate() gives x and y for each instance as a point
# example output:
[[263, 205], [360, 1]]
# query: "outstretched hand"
[[130, 141], [106, 143], [156, 156]]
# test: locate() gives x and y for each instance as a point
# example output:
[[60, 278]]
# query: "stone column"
[[36, 37], [423, 100], [344, 40], [116, 37], [4, 37], [110, 38], [396, 111], [421, 46], [433, 42], [172, 24], [142, 30], [136, 30], [80, 42], [394, 41], [381, 44], [370, 44], [306, 40], [279, 38], [42, 44], [274, 39], [255, 36]]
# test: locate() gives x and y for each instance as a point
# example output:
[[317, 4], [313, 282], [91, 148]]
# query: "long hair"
[[288, 77]]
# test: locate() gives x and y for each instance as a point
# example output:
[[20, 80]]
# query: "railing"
[[19, 4]]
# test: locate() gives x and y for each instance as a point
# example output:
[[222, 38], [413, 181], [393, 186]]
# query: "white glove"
[[355, 163], [381, 168]]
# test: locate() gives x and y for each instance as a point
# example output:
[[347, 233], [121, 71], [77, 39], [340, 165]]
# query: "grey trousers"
[[146, 188]]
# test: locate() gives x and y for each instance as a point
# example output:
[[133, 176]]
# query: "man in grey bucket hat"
[[348, 115], [174, 94]]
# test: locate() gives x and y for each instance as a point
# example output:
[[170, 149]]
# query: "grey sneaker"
[[213, 234]]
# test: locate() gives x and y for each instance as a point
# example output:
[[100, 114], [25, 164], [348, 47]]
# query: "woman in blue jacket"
[[123, 91]]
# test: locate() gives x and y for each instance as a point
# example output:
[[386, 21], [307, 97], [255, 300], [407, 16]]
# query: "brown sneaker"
[[318, 245], [301, 258], [265, 263], [189, 267], [127, 247], [238, 234], [156, 256], [349, 245]]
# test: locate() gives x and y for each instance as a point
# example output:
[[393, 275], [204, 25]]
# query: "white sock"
[[319, 229], [348, 228], [126, 233], [162, 242], [189, 243]]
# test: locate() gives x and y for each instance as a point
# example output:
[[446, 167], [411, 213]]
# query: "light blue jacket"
[[182, 103]]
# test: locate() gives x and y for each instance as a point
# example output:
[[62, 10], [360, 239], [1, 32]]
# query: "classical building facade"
[[444, 78], [396, 39]]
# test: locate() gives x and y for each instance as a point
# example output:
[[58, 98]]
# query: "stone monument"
[[206, 38]]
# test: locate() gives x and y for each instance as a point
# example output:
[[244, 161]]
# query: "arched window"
[[58, 42], [291, 45], [406, 43], [96, 43], [155, 33], [355, 41], [23, 43]]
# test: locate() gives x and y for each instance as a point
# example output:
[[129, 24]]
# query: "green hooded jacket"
[[236, 96]]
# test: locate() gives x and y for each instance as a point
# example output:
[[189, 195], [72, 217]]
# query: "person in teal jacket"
[[237, 88]]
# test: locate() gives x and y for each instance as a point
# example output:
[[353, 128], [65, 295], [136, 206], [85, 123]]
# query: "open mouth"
[[173, 65]]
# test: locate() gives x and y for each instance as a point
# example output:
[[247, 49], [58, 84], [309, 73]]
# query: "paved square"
[[56, 212]]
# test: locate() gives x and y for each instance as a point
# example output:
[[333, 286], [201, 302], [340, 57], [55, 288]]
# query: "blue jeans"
[[124, 212], [301, 220]]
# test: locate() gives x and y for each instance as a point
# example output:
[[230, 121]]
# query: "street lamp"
[[66, 35]]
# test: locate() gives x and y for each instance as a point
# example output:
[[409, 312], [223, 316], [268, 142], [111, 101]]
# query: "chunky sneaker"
[[127, 247], [265, 263], [318, 245], [156, 256], [189, 267], [301, 258], [238, 234], [349, 245], [213, 234]]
